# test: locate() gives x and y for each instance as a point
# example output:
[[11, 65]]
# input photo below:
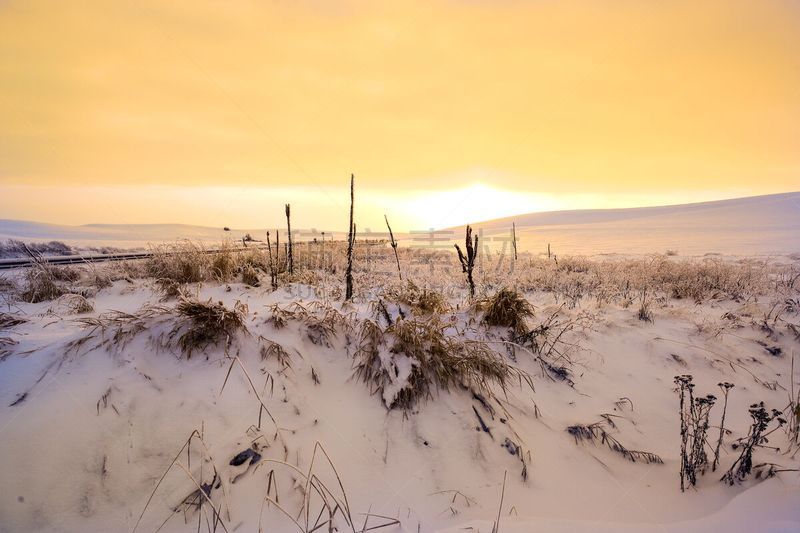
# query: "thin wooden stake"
[[514, 238], [351, 238], [394, 246], [289, 254]]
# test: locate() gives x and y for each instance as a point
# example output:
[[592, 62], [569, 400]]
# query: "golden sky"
[[189, 111]]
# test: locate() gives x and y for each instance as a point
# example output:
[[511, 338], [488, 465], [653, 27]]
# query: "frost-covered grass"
[[434, 275]]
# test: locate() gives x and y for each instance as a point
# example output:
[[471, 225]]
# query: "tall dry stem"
[[351, 239], [394, 247], [289, 254]]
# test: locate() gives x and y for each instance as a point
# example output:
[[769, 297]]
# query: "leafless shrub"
[[725, 387], [694, 412], [467, 259], [757, 437]]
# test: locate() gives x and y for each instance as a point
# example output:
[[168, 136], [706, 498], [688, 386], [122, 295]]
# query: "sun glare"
[[473, 203]]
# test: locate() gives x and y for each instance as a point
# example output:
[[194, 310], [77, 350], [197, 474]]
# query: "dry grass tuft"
[[73, 304], [176, 265], [6, 349], [321, 321], [179, 264], [44, 281], [7, 285], [422, 358], [222, 264], [208, 323], [40, 286], [169, 288], [7, 320], [508, 309], [271, 349], [419, 301], [123, 326], [199, 324], [98, 277], [250, 276]]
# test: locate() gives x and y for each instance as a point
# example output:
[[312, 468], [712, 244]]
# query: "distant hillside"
[[742, 226], [126, 236], [755, 225]]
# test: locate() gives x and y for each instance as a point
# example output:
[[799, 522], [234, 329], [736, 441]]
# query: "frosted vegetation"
[[221, 392]]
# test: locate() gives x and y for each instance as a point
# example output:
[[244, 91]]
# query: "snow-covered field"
[[760, 225], [98, 402]]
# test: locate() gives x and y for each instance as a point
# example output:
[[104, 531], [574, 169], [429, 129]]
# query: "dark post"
[[514, 238], [289, 255], [273, 274], [351, 239]]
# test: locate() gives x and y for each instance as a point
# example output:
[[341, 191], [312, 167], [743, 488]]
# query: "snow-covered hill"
[[118, 235], [757, 225]]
